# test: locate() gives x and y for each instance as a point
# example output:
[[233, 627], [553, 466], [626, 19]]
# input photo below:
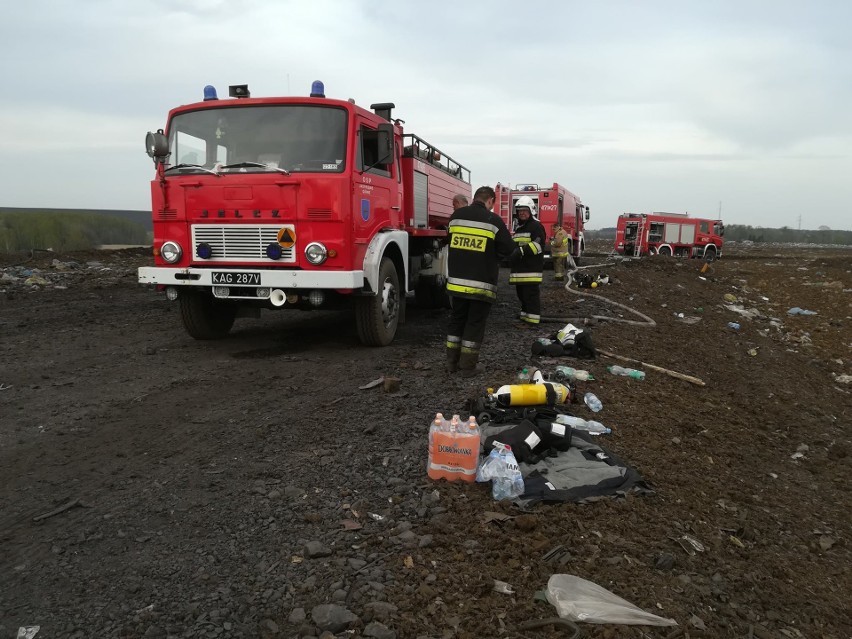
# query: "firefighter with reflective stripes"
[[479, 240], [559, 249], [527, 261]]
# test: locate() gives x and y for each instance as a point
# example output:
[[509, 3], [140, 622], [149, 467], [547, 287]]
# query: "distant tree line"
[[757, 234], [66, 231]]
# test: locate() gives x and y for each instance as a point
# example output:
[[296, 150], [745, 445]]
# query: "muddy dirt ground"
[[156, 486]]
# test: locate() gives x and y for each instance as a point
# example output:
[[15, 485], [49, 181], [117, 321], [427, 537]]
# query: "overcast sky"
[[682, 106]]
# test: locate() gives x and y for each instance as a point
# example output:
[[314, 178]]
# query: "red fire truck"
[[669, 234], [554, 205], [297, 202]]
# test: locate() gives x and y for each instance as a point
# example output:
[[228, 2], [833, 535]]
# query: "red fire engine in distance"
[[669, 234]]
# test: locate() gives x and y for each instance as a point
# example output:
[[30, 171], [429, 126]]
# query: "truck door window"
[[705, 227], [369, 152]]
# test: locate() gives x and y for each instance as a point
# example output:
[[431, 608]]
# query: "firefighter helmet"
[[526, 201]]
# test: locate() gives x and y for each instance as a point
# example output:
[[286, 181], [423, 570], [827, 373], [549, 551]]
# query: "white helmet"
[[527, 201]]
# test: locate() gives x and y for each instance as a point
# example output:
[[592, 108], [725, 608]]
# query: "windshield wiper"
[[193, 166], [243, 165]]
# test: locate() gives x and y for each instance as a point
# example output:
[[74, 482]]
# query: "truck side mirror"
[[157, 146], [587, 214], [384, 138]]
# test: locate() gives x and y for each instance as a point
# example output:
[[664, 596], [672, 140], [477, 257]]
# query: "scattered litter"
[[729, 297], [27, 632], [688, 319], [696, 622], [56, 511], [736, 541], [5, 386], [578, 599], [734, 325], [376, 517], [557, 555], [408, 562], [797, 455], [689, 544], [841, 379], [750, 313], [373, 384], [752, 352], [503, 588], [800, 311], [489, 516], [826, 542]]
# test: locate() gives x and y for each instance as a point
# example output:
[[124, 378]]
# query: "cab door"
[[376, 186]]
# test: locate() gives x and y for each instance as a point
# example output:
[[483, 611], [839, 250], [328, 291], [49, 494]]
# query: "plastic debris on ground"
[[578, 599], [800, 311]]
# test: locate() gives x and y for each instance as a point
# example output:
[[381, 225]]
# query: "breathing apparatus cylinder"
[[547, 393]]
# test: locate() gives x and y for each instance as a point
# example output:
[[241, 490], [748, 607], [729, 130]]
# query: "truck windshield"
[[256, 139]]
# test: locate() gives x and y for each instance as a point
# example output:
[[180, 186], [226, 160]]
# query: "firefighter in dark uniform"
[[479, 240], [527, 261]]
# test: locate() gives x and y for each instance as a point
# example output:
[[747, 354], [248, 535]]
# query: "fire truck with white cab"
[[554, 205], [675, 234], [297, 203]]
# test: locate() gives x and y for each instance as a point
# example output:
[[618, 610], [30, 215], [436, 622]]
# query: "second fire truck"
[[554, 205], [669, 234]]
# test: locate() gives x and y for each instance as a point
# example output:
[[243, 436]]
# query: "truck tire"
[[205, 317], [377, 316], [710, 253], [664, 251]]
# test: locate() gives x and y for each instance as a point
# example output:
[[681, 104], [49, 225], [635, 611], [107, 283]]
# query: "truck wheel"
[[710, 254], [205, 317], [665, 251], [377, 316]]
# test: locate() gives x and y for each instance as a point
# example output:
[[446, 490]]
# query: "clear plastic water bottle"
[[578, 423], [566, 372], [508, 482], [524, 376], [626, 372], [592, 402]]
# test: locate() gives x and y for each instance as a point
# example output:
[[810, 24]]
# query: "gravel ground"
[[156, 486]]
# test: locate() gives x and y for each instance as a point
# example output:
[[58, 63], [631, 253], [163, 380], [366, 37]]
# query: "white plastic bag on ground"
[[578, 599]]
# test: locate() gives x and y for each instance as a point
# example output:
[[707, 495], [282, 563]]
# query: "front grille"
[[237, 242]]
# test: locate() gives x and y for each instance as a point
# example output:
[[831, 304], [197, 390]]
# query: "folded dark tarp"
[[585, 471]]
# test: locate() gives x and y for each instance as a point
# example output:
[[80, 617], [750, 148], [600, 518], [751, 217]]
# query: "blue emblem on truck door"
[[365, 210]]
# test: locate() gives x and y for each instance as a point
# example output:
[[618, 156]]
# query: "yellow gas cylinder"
[[548, 393]]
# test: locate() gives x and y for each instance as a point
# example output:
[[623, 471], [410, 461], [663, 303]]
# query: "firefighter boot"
[[453, 355], [467, 364]]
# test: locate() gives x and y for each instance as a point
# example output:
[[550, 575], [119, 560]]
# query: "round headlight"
[[316, 253], [171, 252], [274, 251]]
